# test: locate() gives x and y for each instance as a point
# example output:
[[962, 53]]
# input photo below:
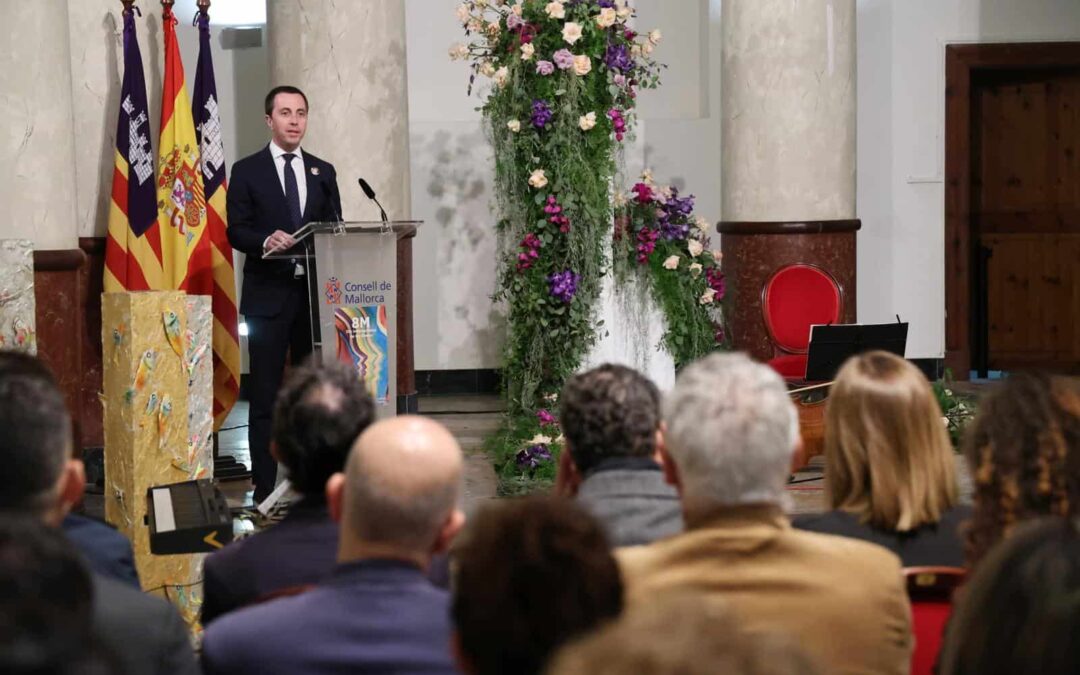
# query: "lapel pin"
[[314, 171]]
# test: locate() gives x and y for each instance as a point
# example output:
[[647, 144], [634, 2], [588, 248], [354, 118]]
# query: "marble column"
[[37, 169], [788, 149], [349, 59]]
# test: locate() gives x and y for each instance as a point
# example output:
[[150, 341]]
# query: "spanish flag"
[[212, 272], [133, 246]]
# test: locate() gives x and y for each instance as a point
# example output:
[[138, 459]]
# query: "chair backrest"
[[794, 298], [930, 590]]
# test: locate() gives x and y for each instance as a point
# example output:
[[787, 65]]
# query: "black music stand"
[[831, 345]]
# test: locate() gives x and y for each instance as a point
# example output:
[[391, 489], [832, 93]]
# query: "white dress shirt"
[[298, 168]]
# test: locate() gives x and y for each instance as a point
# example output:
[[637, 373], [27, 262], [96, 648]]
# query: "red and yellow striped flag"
[[219, 277]]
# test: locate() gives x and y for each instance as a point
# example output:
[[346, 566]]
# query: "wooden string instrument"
[[811, 411]]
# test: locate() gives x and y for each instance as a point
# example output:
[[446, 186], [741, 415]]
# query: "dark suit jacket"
[[301, 549], [145, 633], [939, 544], [631, 500], [256, 207], [105, 550], [373, 616]]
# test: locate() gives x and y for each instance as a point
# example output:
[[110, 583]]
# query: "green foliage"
[[503, 447], [957, 410]]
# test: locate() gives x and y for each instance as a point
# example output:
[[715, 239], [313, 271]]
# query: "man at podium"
[[272, 194]]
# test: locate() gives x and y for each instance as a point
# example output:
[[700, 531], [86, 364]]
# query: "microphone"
[[371, 195], [330, 200]]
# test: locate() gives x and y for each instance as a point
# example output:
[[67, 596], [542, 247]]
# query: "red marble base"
[[753, 251]]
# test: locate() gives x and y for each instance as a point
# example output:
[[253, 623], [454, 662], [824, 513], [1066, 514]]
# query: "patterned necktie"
[[292, 192]]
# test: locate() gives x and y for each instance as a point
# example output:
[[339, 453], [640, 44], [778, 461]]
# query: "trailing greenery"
[[957, 410]]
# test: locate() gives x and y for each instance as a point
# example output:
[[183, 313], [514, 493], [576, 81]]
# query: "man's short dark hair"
[[609, 411], [319, 412], [37, 433], [531, 574], [283, 89]]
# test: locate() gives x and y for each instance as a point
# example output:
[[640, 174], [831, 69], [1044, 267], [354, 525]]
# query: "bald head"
[[402, 483]]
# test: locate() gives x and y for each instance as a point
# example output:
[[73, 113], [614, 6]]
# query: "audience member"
[[1020, 612], [732, 432], [106, 551], [1024, 456], [42, 481], [890, 469], [681, 634], [531, 574], [320, 412], [377, 613], [45, 604], [610, 418]]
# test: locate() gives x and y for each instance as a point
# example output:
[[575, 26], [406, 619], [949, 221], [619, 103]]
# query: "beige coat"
[[843, 600]]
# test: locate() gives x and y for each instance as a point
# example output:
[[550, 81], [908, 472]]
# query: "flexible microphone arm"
[[371, 195]]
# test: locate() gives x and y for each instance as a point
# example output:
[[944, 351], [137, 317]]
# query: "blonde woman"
[[890, 470]]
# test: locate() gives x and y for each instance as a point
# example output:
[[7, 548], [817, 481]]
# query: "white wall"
[[454, 256], [901, 81]]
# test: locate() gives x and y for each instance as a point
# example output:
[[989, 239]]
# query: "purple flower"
[[545, 67], [546, 418], [514, 21], [532, 456], [605, 3], [679, 206], [646, 244], [541, 113], [563, 285], [715, 278], [617, 57], [563, 59]]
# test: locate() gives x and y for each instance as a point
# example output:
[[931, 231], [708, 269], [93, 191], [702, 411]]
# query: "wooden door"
[[1025, 214]]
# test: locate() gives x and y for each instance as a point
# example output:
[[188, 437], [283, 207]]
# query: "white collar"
[[277, 151]]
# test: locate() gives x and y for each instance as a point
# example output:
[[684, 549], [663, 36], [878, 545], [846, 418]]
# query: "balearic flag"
[[133, 245], [213, 274]]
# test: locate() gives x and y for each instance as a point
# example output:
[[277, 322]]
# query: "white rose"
[[463, 13], [655, 36], [539, 439], [635, 50], [475, 25], [459, 52], [702, 224], [717, 255], [624, 12], [493, 29], [695, 270], [537, 179], [571, 32], [480, 3], [587, 121], [487, 69], [647, 48], [606, 19], [555, 10], [527, 51], [707, 297], [501, 76], [516, 9], [646, 177], [695, 247], [582, 64], [672, 262], [514, 125], [620, 196]]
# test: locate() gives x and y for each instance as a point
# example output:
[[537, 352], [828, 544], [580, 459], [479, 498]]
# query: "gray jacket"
[[632, 502]]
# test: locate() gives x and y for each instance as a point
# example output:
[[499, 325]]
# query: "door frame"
[[962, 62]]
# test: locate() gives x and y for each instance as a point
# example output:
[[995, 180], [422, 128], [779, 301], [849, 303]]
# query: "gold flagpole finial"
[[203, 6], [167, 4]]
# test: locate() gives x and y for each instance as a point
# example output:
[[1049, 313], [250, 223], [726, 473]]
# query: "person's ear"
[[269, 122], [450, 529], [671, 472], [72, 485], [335, 496], [658, 443], [567, 475]]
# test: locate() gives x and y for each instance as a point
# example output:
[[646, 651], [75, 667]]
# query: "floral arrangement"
[[564, 79], [956, 411], [658, 236]]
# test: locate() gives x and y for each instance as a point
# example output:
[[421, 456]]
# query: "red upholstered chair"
[[930, 590], [794, 298]]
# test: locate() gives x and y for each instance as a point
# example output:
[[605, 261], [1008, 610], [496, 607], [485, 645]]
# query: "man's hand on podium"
[[278, 241]]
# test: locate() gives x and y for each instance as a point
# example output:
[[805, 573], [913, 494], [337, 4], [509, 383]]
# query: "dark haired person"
[[273, 193], [610, 416], [530, 575], [1024, 456], [41, 481], [320, 412], [1020, 612]]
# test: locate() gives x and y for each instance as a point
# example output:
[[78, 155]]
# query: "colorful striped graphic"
[[210, 269], [362, 342]]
